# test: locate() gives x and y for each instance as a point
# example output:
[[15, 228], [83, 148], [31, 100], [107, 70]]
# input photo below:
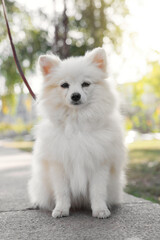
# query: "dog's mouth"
[[76, 103]]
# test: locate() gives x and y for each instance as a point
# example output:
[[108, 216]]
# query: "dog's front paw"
[[101, 213], [58, 213]]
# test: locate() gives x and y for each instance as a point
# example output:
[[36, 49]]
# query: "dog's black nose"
[[75, 97]]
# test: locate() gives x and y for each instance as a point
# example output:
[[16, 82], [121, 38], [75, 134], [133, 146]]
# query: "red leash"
[[14, 53]]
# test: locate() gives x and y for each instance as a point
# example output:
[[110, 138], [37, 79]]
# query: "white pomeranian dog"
[[79, 154]]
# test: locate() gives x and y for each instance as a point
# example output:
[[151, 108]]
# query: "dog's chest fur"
[[81, 148]]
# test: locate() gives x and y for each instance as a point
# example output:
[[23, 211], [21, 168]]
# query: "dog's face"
[[73, 82], [75, 91]]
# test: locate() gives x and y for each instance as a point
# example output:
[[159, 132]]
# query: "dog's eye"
[[85, 84], [65, 85]]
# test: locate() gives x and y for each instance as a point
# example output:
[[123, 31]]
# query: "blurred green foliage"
[[29, 41], [92, 20], [93, 25], [143, 98], [95, 22]]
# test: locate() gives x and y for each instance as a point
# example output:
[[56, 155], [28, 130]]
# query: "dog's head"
[[73, 78], [74, 83]]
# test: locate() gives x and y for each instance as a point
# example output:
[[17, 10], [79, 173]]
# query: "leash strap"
[[14, 52]]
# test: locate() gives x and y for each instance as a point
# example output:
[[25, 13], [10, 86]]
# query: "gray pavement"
[[135, 219]]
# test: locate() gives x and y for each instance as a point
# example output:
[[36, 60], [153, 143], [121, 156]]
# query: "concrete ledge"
[[134, 219]]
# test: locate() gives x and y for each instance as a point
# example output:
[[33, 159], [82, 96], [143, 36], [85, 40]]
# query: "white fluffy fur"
[[79, 156]]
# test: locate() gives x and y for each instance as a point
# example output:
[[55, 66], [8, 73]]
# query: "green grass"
[[143, 171]]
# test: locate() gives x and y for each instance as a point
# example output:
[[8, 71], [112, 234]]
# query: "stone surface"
[[134, 219], [14, 173]]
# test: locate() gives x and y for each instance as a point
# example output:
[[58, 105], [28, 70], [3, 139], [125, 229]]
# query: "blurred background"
[[129, 31]]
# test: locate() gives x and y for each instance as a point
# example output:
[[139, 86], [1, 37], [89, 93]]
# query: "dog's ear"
[[98, 57], [48, 63]]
